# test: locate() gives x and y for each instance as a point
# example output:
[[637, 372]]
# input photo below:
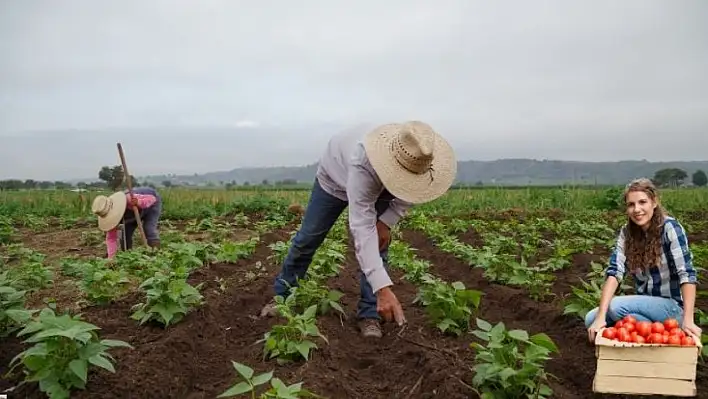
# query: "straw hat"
[[413, 161], [110, 210]]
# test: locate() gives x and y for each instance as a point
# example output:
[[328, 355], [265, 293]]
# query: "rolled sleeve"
[[616, 267], [362, 193], [396, 210], [680, 252]]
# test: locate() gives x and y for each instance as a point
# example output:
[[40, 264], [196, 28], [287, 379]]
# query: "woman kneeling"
[[653, 247]]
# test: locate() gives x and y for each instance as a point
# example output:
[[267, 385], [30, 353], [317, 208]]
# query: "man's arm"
[[362, 193], [396, 210]]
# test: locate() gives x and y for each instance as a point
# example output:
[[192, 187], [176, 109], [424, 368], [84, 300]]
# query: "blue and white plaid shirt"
[[676, 264]]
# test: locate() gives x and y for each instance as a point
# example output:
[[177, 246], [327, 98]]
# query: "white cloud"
[[247, 123]]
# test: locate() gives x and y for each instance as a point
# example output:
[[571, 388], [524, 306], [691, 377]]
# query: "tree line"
[[111, 177]]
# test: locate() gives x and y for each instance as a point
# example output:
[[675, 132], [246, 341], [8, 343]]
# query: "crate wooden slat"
[[643, 386], [645, 369]]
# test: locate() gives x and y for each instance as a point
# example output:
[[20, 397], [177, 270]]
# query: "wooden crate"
[[645, 369]]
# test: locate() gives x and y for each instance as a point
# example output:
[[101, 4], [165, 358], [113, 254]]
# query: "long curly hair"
[[643, 248]]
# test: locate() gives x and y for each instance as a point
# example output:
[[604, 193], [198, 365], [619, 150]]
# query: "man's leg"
[[322, 212], [644, 308], [369, 319]]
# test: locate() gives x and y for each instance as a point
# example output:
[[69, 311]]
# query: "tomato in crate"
[[642, 358]]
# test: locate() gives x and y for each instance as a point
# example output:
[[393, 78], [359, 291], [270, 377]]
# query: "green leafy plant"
[[13, 315], [309, 292], [511, 364], [169, 299], [449, 306], [290, 342], [64, 347], [277, 390], [102, 284]]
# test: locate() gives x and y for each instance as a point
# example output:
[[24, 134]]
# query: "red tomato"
[[639, 339], [629, 319], [643, 328], [609, 333], [670, 324], [624, 335], [629, 326], [657, 327], [656, 338], [619, 324], [687, 341], [678, 332], [674, 340]]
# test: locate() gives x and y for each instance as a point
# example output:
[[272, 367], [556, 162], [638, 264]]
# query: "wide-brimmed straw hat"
[[109, 210], [414, 163]]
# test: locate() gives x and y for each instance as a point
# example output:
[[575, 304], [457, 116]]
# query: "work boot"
[[370, 328], [270, 309]]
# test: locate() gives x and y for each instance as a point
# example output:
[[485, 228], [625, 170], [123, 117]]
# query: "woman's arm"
[[112, 242], [143, 200], [682, 259]]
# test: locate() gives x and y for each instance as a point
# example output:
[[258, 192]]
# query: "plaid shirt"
[[676, 264]]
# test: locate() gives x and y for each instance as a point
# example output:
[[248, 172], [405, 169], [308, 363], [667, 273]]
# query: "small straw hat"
[[414, 162], [110, 210]]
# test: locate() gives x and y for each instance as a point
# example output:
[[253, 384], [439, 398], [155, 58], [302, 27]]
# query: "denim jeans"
[[150, 218], [321, 214], [642, 307]]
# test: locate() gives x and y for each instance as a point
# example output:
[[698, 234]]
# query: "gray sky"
[[500, 79]]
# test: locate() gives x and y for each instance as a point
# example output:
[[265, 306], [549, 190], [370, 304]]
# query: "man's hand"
[[388, 307], [384, 235]]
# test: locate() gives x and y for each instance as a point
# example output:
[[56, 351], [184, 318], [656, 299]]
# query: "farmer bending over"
[[653, 248], [111, 210], [378, 174]]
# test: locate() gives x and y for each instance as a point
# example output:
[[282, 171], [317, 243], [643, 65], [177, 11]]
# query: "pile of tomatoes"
[[630, 330]]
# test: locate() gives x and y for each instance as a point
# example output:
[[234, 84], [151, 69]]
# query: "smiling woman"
[[653, 247]]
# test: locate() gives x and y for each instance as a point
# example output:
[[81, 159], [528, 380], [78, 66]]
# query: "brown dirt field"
[[192, 359]]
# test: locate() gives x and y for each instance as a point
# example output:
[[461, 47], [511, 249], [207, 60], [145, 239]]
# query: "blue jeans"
[[642, 307], [321, 214], [150, 218]]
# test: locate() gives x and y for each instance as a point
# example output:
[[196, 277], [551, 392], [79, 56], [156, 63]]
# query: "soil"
[[192, 359]]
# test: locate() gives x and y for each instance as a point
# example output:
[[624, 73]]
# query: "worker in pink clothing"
[[113, 209]]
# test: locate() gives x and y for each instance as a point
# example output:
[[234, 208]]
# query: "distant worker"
[[379, 174], [113, 209]]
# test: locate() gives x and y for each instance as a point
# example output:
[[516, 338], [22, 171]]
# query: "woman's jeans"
[[642, 307]]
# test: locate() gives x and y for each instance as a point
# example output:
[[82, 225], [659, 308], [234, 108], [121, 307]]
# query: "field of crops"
[[491, 280]]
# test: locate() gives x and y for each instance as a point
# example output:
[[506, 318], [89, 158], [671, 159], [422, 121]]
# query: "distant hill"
[[498, 172]]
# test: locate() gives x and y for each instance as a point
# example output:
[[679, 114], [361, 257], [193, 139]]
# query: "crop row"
[[64, 346]]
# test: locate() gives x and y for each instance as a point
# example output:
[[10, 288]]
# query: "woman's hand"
[[691, 327], [133, 200], [595, 328]]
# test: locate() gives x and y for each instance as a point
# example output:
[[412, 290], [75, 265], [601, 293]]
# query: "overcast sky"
[[583, 80]]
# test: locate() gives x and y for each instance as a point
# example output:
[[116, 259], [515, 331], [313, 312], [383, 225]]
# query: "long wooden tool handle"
[[128, 182]]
